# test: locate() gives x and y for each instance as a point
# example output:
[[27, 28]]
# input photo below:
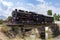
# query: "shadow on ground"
[[55, 30]]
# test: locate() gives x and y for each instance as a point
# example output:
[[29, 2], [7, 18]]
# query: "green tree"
[[1, 21], [56, 17], [54, 14], [49, 12], [9, 17]]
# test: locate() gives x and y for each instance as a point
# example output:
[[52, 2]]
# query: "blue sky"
[[38, 6]]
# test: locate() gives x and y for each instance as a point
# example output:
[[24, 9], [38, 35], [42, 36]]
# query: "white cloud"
[[0, 9], [6, 12], [40, 8], [6, 3]]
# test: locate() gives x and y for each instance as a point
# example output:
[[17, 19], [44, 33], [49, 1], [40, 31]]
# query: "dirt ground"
[[4, 37]]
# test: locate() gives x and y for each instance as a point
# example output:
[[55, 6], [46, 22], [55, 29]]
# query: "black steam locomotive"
[[25, 17]]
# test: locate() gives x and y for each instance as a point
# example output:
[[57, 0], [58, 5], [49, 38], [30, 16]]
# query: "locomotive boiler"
[[28, 17]]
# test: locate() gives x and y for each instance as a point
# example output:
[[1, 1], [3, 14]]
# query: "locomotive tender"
[[25, 17]]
